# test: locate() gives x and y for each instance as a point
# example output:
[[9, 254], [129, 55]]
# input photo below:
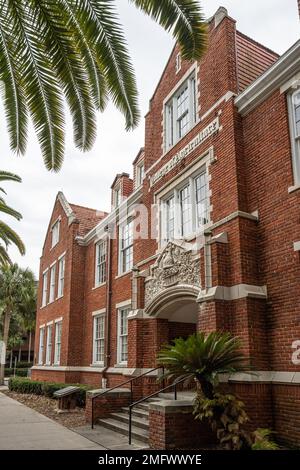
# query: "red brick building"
[[205, 236]]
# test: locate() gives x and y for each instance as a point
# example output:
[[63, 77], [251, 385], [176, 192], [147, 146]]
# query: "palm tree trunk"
[[29, 348], [206, 387], [7, 316]]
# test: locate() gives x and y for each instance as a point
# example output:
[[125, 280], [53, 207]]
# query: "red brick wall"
[[177, 430], [269, 175], [252, 60]]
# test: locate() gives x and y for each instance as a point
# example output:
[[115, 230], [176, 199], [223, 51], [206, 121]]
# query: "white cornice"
[[283, 69], [99, 229], [66, 207]]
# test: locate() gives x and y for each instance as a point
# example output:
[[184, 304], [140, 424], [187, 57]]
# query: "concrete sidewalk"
[[22, 428]]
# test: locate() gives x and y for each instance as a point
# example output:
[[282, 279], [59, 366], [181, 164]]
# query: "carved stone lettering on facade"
[[175, 265]]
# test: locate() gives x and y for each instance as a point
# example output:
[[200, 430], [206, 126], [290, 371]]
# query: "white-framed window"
[[61, 276], [99, 339], [52, 283], [140, 174], [294, 108], [100, 269], [185, 210], [55, 233], [57, 349], [49, 344], [180, 113], [123, 334], [117, 196], [45, 288], [126, 247], [41, 345]]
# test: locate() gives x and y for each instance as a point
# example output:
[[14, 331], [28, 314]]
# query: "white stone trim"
[[62, 255], [57, 320], [99, 312], [291, 84], [52, 264], [230, 217], [138, 314], [42, 326], [225, 98], [239, 291], [272, 377], [297, 246], [69, 368], [125, 303], [66, 207], [49, 323], [276, 76]]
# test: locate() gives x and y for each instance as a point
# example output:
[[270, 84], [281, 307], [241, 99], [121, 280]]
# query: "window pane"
[[123, 332], [170, 219], [201, 199], [186, 211], [127, 247], [183, 101], [183, 125], [297, 113]]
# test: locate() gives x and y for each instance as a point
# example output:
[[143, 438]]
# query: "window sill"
[[294, 188], [123, 274], [99, 285], [60, 297], [122, 365], [165, 152], [97, 364]]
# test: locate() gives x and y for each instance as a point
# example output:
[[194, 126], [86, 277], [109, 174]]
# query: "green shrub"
[[21, 385], [19, 372], [24, 365]]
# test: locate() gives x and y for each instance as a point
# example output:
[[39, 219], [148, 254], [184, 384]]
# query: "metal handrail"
[[121, 385], [174, 385]]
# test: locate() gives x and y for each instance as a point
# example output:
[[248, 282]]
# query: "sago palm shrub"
[[202, 358]]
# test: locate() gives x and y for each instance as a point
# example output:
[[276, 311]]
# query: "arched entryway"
[[176, 310]]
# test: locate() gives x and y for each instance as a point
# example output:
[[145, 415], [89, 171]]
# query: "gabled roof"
[[118, 176], [88, 218], [141, 151]]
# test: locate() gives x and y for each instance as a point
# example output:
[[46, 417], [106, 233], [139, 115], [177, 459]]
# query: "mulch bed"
[[47, 407]]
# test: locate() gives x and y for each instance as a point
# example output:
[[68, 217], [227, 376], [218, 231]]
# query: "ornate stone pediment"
[[175, 265]]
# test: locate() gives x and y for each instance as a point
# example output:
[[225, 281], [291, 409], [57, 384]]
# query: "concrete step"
[[138, 412], [116, 425], [142, 423], [142, 406]]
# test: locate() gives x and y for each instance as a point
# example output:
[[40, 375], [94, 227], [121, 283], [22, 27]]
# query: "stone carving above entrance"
[[175, 265]]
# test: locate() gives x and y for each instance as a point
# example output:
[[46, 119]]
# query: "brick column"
[[173, 426], [104, 405]]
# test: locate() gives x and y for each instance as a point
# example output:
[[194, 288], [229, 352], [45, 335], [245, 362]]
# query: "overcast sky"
[[85, 179]]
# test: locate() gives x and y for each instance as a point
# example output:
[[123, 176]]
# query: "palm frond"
[[7, 176], [4, 256], [12, 92], [184, 18], [41, 88], [99, 22], [9, 210], [93, 67], [9, 236], [69, 65]]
